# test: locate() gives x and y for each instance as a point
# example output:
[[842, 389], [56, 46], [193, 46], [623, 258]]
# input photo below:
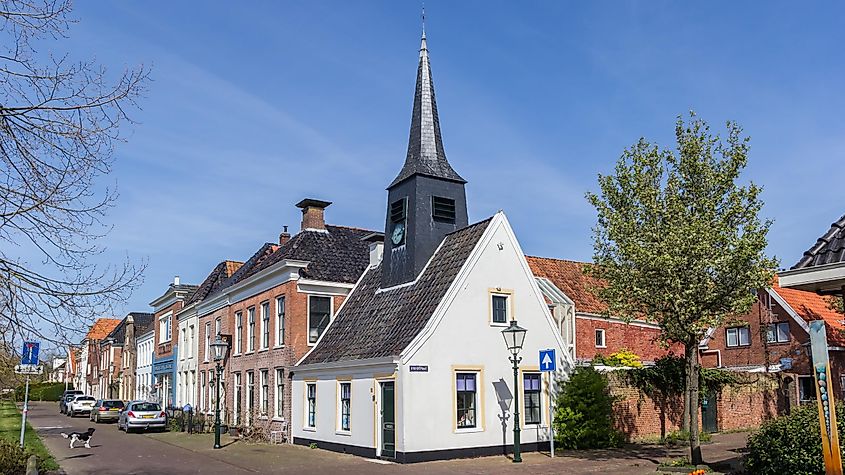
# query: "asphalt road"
[[115, 452]]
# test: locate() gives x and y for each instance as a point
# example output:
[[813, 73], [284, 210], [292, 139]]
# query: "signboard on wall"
[[825, 400]]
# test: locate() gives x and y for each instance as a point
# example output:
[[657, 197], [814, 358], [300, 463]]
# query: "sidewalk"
[[723, 455]]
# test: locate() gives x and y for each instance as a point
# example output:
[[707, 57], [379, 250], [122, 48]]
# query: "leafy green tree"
[[584, 412], [679, 240]]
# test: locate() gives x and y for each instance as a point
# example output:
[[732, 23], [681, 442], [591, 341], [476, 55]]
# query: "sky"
[[254, 106]]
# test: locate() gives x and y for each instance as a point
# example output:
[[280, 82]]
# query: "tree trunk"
[[685, 420], [692, 390]]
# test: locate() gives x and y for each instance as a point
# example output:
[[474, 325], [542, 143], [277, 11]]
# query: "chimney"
[[284, 236], [312, 214], [176, 280], [376, 241]]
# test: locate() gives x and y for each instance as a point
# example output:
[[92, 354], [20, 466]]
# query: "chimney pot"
[[313, 214], [284, 236], [176, 280]]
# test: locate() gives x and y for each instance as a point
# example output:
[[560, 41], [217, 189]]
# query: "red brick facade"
[[272, 359], [639, 338]]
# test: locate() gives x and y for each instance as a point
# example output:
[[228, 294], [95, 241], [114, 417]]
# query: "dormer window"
[[442, 209], [398, 215]]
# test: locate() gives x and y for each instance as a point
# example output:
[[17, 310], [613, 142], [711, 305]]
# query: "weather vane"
[[423, 18]]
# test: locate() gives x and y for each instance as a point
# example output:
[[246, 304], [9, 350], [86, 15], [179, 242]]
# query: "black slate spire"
[[425, 145]]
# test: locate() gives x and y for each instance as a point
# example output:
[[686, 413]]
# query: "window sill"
[[278, 419], [263, 350], [737, 347], [601, 347], [497, 324], [309, 429], [278, 347], [347, 433], [469, 430], [249, 352]]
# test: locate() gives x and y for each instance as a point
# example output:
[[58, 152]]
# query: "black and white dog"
[[81, 437]]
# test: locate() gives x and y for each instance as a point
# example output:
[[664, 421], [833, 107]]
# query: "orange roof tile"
[[232, 266], [569, 276], [812, 306], [101, 328]]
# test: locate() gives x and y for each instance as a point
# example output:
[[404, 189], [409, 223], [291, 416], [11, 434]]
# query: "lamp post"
[[514, 338], [220, 348]]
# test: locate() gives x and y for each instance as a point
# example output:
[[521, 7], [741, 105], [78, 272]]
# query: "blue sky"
[[255, 106]]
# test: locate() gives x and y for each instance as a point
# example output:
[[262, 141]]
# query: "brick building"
[[273, 310], [580, 314], [774, 338], [88, 376], [112, 362]]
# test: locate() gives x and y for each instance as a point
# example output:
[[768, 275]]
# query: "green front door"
[[709, 416], [388, 420]]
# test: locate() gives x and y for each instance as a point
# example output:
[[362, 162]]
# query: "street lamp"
[[514, 338], [220, 348]]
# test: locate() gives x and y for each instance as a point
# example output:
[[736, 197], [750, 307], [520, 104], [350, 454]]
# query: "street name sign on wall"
[[29, 355], [28, 369], [824, 398], [547, 360]]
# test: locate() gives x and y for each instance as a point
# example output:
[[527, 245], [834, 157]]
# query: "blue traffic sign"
[[547, 360], [30, 352]]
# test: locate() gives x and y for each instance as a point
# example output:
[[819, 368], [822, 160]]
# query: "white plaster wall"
[[144, 351], [187, 363], [364, 405], [465, 338]]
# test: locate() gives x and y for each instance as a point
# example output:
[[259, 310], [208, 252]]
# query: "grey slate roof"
[[142, 321], [375, 324], [425, 145], [216, 280], [338, 255], [828, 249]]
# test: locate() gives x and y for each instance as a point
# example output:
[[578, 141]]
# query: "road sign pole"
[[551, 418], [25, 409]]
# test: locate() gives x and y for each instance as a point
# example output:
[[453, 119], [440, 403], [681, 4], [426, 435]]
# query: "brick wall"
[[642, 340], [639, 416], [164, 349]]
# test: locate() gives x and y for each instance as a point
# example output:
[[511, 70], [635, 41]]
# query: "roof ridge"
[[560, 259], [483, 221], [356, 228]]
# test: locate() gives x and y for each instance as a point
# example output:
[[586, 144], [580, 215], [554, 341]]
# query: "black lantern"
[[514, 337], [220, 348]]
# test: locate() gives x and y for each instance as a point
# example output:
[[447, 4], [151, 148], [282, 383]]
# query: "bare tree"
[[59, 122]]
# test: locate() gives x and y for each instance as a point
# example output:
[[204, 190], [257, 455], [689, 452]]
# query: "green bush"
[[584, 412], [790, 444], [12, 458], [42, 391], [681, 438]]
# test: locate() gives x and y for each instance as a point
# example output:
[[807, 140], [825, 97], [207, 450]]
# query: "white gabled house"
[[414, 366]]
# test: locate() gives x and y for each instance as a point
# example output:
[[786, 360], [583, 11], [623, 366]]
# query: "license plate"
[[147, 417], [114, 409]]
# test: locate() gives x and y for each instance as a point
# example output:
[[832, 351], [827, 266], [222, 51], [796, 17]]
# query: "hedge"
[[42, 391]]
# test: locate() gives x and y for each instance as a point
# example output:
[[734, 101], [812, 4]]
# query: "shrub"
[[681, 438], [42, 391], [12, 458], [584, 412], [790, 444], [623, 357]]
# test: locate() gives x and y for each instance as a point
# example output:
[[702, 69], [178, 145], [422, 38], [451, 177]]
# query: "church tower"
[[427, 200]]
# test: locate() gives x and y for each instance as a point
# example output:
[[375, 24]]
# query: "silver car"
[[106, 410], [80, 405], [141, 415]]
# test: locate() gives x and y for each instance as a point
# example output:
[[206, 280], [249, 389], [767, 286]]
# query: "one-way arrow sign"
[[547, 360]]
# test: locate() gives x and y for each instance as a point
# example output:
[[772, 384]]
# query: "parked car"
[[80, 404], [67, 396], [142, 415], [106, 410]]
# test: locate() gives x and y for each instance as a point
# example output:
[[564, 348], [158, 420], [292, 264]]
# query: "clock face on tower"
[[397, 237]]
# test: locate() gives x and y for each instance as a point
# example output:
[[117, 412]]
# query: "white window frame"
[[238, 396], [308, 423], [339, 407], [202, 392], [265, 325], [250, 396], [165, 327], [308, 320], [772, 330], [250, 329], [603, 333], [508, 296], [217, 324], [207, 341], [239, 332], [737, 333], [280, 321], [280, 394], [264, 392]]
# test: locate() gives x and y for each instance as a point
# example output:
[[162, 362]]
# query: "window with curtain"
[[466, 399], [531, 390], [345, 406]]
